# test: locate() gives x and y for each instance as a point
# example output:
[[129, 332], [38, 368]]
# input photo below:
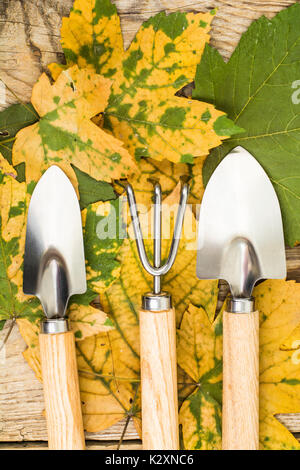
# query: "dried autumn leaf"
[[142, 110], [18, 116], [65, 134], [109, 362], [278, 304], [199, 354], [92, 36], [14, 198], [109, 376]]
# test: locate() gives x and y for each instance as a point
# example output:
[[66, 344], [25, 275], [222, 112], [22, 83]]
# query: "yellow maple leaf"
[[14, 200], [143, 110], [200, 355], [108, 363], [65, 134], [168, 175]]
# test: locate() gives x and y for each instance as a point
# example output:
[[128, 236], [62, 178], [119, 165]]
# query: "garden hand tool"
[[54, 270], [240, 240], [158, 335]]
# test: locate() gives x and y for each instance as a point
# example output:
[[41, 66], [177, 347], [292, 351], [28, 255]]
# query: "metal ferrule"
[[240, 305], [156, 302], [55, 326]]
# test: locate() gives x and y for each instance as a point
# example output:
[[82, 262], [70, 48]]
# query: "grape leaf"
[[143, 110], [259, 89], [65, 134], [200, 355]]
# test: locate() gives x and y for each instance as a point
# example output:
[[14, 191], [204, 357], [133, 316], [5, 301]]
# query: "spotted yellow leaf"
[[103, 238], [143, 110], [14, 304], [14, 199], [199, 354], [65, 134]]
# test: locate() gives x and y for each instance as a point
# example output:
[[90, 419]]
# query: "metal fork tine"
[[157, 270], [137, 229], [157, 236]]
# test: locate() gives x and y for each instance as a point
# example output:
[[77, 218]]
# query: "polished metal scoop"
[[54, 263], [54, 270]]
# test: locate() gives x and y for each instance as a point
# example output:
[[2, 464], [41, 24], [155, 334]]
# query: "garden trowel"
[[240, 240], [54, 270]]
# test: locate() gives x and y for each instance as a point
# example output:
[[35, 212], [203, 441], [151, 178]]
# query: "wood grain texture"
[[159, 380], [29, 40], [61, 391], [240, 412]]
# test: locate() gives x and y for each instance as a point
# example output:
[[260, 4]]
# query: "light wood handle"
[[240, 415], [159, 380], [61, 391]]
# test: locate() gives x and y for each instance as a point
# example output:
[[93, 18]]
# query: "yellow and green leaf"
[[143, 110], [103, 238], [101, 258], [200, 356], [109, 362]]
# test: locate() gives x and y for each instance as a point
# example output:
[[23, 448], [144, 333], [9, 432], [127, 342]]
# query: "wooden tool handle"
[[61, 391], [159, 380], [240, 381]]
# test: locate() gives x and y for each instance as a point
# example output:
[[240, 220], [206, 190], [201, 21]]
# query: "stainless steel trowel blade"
[[54, 263], [240, 234]]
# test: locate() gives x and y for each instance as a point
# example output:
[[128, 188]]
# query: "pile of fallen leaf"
[[109, 116]]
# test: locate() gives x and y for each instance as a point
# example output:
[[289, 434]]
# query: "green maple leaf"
[[259, 90]]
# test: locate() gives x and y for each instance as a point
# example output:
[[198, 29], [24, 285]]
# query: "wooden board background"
[[29, 40]]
